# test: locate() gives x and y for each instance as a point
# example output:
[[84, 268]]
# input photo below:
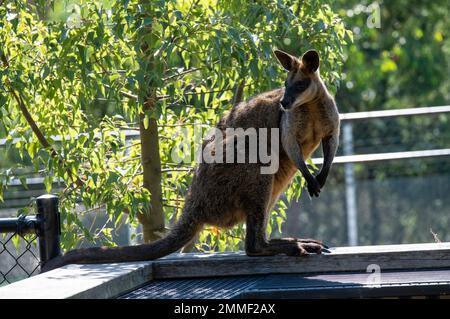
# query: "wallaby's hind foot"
[[301, 240], [310, 245], [289, 247]]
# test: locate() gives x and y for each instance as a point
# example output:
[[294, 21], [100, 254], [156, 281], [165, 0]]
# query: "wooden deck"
[[400, 270], [341, 259]]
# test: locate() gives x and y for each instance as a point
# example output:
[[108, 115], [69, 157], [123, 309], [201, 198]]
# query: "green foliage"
[[84, 71], [403, 63]]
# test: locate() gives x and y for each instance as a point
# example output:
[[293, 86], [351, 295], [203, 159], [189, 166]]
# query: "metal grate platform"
[[431, 283], [206, 288]]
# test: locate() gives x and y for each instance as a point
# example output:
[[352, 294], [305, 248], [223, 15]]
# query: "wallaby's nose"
[[284, 103]]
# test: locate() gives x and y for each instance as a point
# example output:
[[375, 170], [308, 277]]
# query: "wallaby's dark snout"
[[286, 102]]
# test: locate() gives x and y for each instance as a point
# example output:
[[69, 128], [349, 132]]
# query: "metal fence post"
[[350, 187], [49, 229]]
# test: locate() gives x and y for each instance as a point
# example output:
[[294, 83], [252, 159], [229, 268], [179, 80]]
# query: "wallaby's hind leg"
[[257, 212], [189, 247], [255, 238], [256, 243]]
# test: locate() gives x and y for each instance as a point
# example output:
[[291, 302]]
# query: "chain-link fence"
[[18, 257], [27, 242]]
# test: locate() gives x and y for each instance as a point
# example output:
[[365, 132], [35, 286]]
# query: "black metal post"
[[49, 229]]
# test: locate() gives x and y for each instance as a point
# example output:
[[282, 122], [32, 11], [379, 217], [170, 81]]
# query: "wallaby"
[[223, 194]]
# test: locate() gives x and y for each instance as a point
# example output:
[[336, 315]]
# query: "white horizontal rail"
[[317, 161], [58, 138], [31, 181], [339, 159], [396, 112], [343, 116], [385, 156]]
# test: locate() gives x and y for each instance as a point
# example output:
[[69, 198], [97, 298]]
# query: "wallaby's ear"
[[311, 60], [286, 60]]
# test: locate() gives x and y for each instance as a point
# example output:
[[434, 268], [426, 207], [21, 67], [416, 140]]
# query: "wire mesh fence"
[[18, 257], [27, 242]]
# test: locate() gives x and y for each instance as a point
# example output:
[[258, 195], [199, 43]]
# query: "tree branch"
[[176, 170], [239, 93], [27, 114], [34, 127], [163, 97], [124, 93], [180, 74], [129, 95], [299, 7]]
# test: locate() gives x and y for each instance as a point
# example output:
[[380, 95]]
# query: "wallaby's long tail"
[[183, 231]]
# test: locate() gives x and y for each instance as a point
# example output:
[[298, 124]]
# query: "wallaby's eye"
[[285, 83], [302, 84]]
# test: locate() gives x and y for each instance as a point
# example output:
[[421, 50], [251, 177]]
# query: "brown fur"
[[226, 194]]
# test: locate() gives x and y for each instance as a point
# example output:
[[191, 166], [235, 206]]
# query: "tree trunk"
[[153, 220]]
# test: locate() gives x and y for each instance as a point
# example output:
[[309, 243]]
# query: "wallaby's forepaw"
[[313, 187], [321, 179]]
